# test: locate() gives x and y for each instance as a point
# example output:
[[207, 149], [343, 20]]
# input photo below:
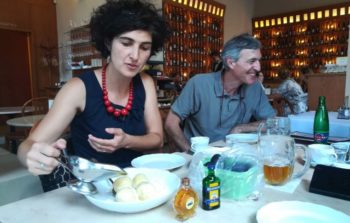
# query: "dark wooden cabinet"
[[37, 20], [332, 86]]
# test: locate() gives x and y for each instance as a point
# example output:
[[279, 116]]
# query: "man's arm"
[[172, 127], [249, 127]]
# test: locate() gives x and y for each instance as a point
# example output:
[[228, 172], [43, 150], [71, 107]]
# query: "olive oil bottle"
[[185, 201]]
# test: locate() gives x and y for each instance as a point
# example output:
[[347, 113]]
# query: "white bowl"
[[166, 185], [243, 137]]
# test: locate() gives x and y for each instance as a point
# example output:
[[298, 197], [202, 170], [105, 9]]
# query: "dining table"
[[64, 205], [24, 121], [16, 182], [303, 123], [13, 110]]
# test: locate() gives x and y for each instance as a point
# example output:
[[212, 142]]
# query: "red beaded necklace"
[[110, 109]]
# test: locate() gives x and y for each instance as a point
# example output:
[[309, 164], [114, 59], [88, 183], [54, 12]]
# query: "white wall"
[[238, 17]]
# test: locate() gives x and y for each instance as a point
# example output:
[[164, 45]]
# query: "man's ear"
[[230, 63]]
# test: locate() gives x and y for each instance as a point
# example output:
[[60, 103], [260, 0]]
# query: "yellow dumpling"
[[139, 179], [126, 194], [121, 182], [146, 191]]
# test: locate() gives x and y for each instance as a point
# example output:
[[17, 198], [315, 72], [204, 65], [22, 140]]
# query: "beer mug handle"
[[306, 164], [261, 128]]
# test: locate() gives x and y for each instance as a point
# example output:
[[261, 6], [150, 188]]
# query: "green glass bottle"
[[321, 122], [211, 190]]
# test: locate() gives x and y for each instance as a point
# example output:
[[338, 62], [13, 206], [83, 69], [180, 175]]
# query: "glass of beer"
[[279, 158]]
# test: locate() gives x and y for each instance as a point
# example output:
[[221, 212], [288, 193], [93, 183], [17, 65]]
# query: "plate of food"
[[140, 190], [164, 161], [301, 212]]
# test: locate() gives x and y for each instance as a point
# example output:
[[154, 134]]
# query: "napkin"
[[288, 187]]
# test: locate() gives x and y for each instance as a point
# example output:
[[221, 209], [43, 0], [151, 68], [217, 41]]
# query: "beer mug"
[[275, 126], [279, 156]]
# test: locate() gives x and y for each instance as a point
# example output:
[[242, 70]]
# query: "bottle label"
[[213, 198], [321, 137], [189, 203]]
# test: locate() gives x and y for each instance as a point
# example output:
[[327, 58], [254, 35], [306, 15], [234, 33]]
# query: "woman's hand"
[[109, 145], [42, 157]]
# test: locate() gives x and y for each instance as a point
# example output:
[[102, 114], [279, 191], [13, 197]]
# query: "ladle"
[[86, 172]]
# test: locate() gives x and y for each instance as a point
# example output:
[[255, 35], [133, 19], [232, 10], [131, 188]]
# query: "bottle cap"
[[211, 166], [185, 181]]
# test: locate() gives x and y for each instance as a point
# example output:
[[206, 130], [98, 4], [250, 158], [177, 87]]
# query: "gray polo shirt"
[[206, 110]]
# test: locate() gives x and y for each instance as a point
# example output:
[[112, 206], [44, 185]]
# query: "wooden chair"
[[33, 106], [37, 106]]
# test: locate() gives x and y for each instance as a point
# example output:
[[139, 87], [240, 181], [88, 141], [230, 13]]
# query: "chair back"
[[37, 106], [279, 105]]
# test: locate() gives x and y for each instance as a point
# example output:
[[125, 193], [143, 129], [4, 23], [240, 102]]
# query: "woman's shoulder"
[[145, 79]]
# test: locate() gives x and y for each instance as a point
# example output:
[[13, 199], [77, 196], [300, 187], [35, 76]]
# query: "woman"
[[292, 92], [302, 80], [112, 112]]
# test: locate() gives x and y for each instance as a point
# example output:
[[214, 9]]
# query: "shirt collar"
[[218, 87]]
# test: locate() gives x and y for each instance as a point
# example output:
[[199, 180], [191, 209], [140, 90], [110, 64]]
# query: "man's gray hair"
[[234, 46]]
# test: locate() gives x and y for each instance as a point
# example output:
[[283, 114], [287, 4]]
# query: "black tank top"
[[95, 118]]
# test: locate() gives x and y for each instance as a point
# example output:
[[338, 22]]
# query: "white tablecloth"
[[64, 205], [304, 123], [16, 182]]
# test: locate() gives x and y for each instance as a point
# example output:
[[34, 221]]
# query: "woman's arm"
[[38, 150], [154, 130]]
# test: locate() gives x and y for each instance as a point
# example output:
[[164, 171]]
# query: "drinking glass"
[[342, 151], [279, 158], [275, 126]]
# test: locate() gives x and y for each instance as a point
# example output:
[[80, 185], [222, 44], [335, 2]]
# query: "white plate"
[[299, 212], [164, 161], [336, 164], [212, 149], [243, 137], [166, 185], [342, 165]]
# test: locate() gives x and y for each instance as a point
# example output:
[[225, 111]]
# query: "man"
[[220, 103]]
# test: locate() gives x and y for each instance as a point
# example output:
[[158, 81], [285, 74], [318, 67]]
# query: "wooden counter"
[[331, 85]]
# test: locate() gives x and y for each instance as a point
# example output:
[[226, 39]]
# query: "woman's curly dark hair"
[[116, 17]]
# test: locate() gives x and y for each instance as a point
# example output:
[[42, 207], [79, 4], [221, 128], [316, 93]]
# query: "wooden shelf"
[[197, 31], [313, 37], [82, 51]]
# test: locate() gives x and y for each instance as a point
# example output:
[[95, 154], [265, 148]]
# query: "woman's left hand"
[[109, 145]]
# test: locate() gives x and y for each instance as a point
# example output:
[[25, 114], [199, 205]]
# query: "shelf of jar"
[[78, 42], [84, 56], [268, 46], [300, 35]]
